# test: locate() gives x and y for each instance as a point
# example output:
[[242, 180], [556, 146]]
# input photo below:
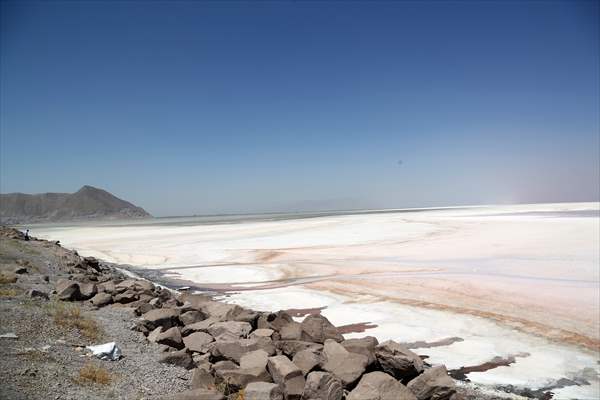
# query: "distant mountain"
[[87, 203]]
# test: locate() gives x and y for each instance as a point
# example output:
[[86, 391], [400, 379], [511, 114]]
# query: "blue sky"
[[200, 107]]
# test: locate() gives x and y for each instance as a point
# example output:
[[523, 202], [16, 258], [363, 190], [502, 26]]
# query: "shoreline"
[[160, 278]]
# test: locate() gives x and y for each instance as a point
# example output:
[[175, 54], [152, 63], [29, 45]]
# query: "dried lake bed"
[[511, 291]]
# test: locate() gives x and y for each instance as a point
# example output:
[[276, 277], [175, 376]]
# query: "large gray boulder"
[[263, 391], [87, 290], [128, 296], [262, 332], [273, 321], [234, 350], [68, 290], [107, 287], [152, 336], [202, 379], [171, 337], [380, 386], [287, 375], [198, 342], [433, 384], [322, 386], [191, 316], [230, 330], [317, 328], [200, 326], [365, 346], [101, 299], [346, 366], [237, 378], [398, 361], [254, 359], [227, 312], [291, 347], [306, 360], [291, 331], [165, 317], [181, 358]]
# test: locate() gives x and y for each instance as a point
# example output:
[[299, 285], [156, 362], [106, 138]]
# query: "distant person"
[[27, 234]]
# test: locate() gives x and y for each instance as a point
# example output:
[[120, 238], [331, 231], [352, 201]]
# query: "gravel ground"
[[45, 360]]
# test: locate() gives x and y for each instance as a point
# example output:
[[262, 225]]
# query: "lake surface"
[[519, 283]]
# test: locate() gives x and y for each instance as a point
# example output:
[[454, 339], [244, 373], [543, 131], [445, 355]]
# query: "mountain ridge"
[[87, 203]]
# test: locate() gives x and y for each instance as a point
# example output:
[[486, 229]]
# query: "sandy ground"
[[530, 268]]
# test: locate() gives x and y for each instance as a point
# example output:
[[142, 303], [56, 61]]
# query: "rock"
[[398, 361], [171, 337], [107, 287], [365, 346], [202, 361], [287, 375], [291, 347], [153, 336], [434, 384], [92, 262], [190, 317], [202, 379], [291, 331], [238, 378], [227, 312], [254, 359], [262, 391], [273, 321], [317, 328], [306, 360], [180, 358], [224, 365], [346, 366], [128, 296], [155, 302], [143, 308], [68, 290], [322, 386], [130, 284], [101, 299], [200, 326], [196, 394], [380, 386], [234, 350], [230, 329], [34, 293], [263, 332], [87, 290], [198, 342], [165, 317]]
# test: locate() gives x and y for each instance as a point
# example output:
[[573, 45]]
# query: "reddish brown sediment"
[[303, 312], [267, 255], [355, 328], [559, 335], [438, 343], [461, 373]]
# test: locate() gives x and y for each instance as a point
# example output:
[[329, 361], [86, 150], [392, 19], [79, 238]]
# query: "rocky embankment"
[[178, 345]]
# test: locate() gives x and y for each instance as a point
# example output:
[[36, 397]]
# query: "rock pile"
[[235, 352]]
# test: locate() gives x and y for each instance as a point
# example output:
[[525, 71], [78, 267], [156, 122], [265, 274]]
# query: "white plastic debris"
[[106, 351], [9, 335]]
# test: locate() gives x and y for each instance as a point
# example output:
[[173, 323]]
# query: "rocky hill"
[[87, 203]]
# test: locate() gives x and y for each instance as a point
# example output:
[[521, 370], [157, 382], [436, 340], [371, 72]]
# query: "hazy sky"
[[198, 107]]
